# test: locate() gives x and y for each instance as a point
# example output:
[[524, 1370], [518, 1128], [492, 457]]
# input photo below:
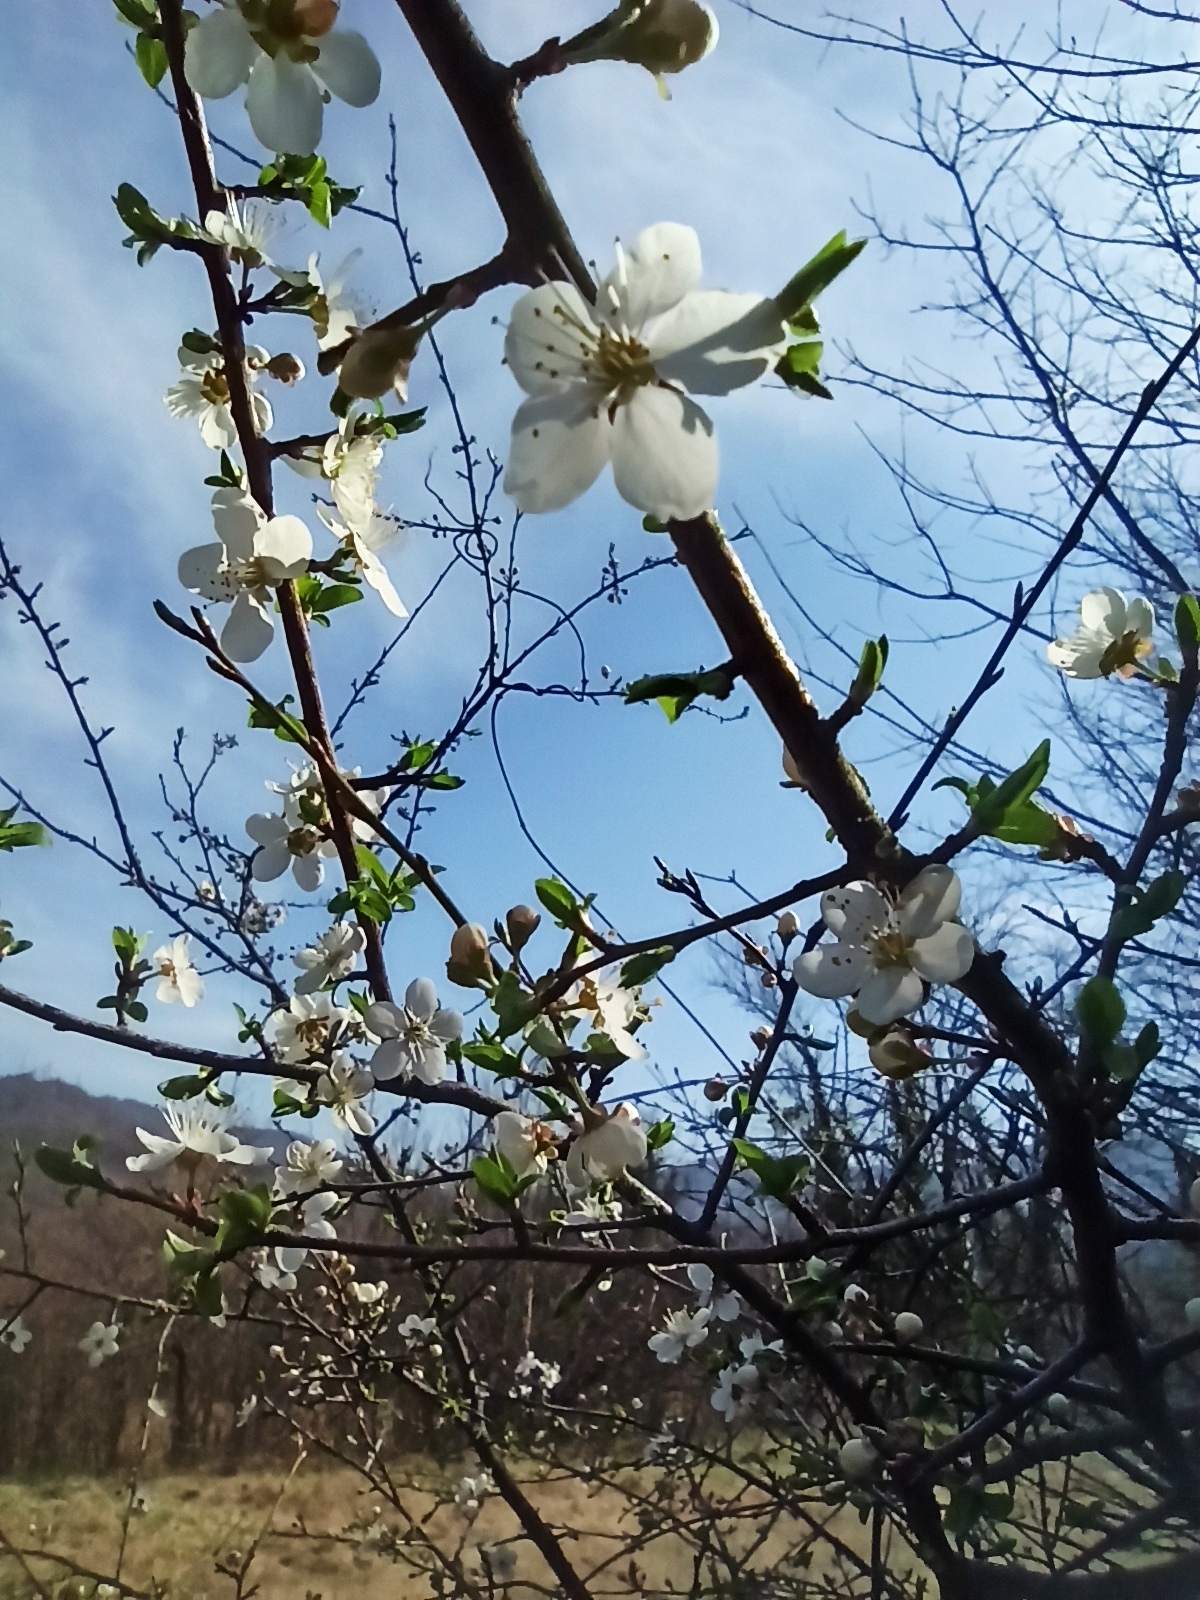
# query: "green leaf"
[[151, 57], [675, 691], [498, 1180], [20, 835], [870, 670], [185, 1257], [659, 1134], [830, 261], [1147, 1044], [641, 968], [206, 1294], [138, 13], [71, 1167], [1101, 1011], [1158, 899], [514, 1006], [320, 203], [398, 422], [778, 1176], [559, 901], [1187, 622], [990, 810], [187, 1088], [275, 716], [493, 1058], [245, 1217]]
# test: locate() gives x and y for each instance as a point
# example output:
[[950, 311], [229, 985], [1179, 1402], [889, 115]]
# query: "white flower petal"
[[219, 53], [551, 332], [237, 517], [308, 872], [348, 67], [888, 994], [201, 571], [664, 454], [855, 910], [271, 862], [266, 829], [447, 1025], [217, 428], [653, 276], [284, 105], [421, 998], [1139, 617], [945, 955], [560, 443], [389, 1061], [375, 573], [832, 971], [933, 897], [429, 1064], [384, 1020], [1103, 611], [713, 342], [286, 542], [247, 631]]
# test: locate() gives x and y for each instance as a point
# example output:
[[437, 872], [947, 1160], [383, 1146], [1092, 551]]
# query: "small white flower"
[[287, 55], [414, 1035], [752, 1345], [415, 1328], [368, 1294], [591, 1209], [612, 1011], [270, 1275], [178, 979], [331, 959], [342, 1088], [100, 1342], [736, 1387], [887, 947], [534, 1375], [605, 1153], [207, 891], [281, 845], [246, 1410], [203, 392], [199, 1130], [1113, 636], [308, 1027], [245, 230], [907, 1327], [606, 382], [15, 1335], [858, 1459], [253, 556], [361, 544], [471, 1491], [726, 1306], [855, 1295], [312, 1221], [307, 1166], [682, 1330], [522, 1141]]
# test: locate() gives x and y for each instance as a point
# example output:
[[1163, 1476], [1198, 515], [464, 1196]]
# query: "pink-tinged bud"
[[787, 927], [470, 963], [522, 923], [314, 18]]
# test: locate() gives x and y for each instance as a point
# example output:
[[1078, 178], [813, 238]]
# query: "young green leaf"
[[830, 261], [641, 968], [675, 691], [1100, 1010], [1158, 899]]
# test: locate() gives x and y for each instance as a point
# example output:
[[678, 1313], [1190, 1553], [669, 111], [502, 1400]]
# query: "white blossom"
[[907, 1327], [367, 1294], [418, 1328], [752, 1345], [15, 1334], [886, 947], [198, 1129], [100, 1342], [307, 1166], [612, 1010], [726, 1306], [361, 543], [471, 1490], [307, 1027], [414, 1036], [590, 1211], [607, 382], [522, 1141], [253, 555], [203, 392], [855, 1295], [244, 230], [858, 1459], [736, 1386], [178, 979], [281, 845], [335, 312], [1113, 636], [342, 1087], [604, 1153], [682, 1330], [534, 1375], [271, 1276], [331, 959], [287, 55], [313, 1222]]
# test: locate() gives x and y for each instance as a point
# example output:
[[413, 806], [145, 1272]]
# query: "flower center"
[[214, 388], [417, 1033], [619, 364], [311, 1032], [890, 948], [252, 574]]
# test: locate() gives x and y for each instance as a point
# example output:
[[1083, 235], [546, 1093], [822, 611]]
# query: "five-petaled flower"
[[203, 392], [245, 230], [726, 1306], [332, 307], [342, 1088], [253, 556], [524, 1142], [178, 980], [736, 1386], [307, 1027], [100, 1342], [199, 1130], [307, 1166], [288, 53], [361, 541], [887, 946], [15, 1334], [610, 381], [414, 1036], [311, 1218], [603, 1153], [681, 1331], [331, 959], [1114, 635], [612, 1010]]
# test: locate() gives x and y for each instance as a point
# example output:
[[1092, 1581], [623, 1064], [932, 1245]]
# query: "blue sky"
[[104, 490]]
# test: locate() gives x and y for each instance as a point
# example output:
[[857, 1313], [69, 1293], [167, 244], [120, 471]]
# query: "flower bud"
[[907, 1327], [1058, 1407], [858, 1459], [470, 963], [790, 769], [660, 35], [855, 1295], [788, 926], [715, 1089], [314, 17], [378, 360], [286, 368], [897, 1055], [522, 923]]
